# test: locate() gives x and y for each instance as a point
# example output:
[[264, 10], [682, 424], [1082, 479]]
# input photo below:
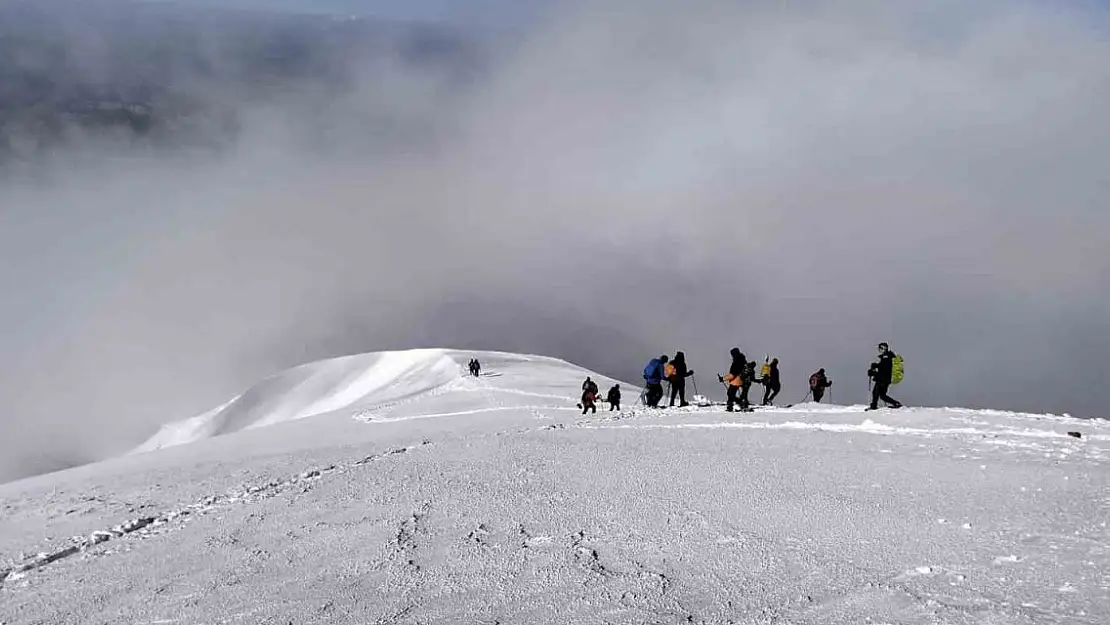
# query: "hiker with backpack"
[[772, 381], [676, 373], [734, 379], [817, 385], [653, 379], [614, 398], [746, 384], [884, 372], [589, 396]]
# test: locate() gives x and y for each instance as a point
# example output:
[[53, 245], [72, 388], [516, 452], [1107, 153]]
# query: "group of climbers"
[[886, 371], [674, 372], [475, 367], [590, 393], [741, 376]]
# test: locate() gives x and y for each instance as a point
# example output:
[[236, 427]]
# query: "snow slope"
[[316, 389], [416, 494]]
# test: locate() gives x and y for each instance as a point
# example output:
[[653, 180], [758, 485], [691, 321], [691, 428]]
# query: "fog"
[[621, 180]]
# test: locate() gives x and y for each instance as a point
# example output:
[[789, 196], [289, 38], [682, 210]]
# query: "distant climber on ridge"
[[884, 372], [676, 373], [653, 379], [773, 383], [817, 385]]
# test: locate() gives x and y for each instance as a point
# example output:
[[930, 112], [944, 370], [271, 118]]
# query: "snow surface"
[[393, 488], [316, 389]]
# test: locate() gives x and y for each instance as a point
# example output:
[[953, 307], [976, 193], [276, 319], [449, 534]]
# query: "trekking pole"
[[801, 402], [643, 396], [694, 381]]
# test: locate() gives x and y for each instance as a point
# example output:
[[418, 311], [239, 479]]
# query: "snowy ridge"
[[361, 384], [315, 389], [412, 477]]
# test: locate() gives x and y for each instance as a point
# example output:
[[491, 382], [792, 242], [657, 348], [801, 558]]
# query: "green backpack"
[[898, 370]]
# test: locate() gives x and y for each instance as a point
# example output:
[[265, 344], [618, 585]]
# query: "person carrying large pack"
[[653, 379], [884, 372], [734, 379], [589, 396], [676, 373], [746, 386], [817, 385], [772, 381]]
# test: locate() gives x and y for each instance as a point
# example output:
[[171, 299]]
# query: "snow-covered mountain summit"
[[395, 488], [377, 385]]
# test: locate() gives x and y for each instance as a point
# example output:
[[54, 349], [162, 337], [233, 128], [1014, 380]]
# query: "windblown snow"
[[317, 389], [396, 488]]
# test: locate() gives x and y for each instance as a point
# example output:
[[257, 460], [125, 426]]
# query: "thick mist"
[[626, 179]]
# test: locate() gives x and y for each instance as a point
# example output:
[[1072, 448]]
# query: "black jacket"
[[773, 377], [749, 373], [819, 380], [738, 364], [884, 369], [681, 371], [614, 395]]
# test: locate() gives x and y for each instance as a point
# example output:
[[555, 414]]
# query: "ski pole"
[[801, 402], [694, 381]]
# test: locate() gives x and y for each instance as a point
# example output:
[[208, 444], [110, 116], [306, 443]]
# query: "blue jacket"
[[653, 372]]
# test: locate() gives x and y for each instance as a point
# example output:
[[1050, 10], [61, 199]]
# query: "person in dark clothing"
[[773, 383], [477, 368], [734, 379], [817, 385], [677, 378], [589, 396], [614, 398], [746, 387], [653, 378], [589, 402], [881, 373]]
